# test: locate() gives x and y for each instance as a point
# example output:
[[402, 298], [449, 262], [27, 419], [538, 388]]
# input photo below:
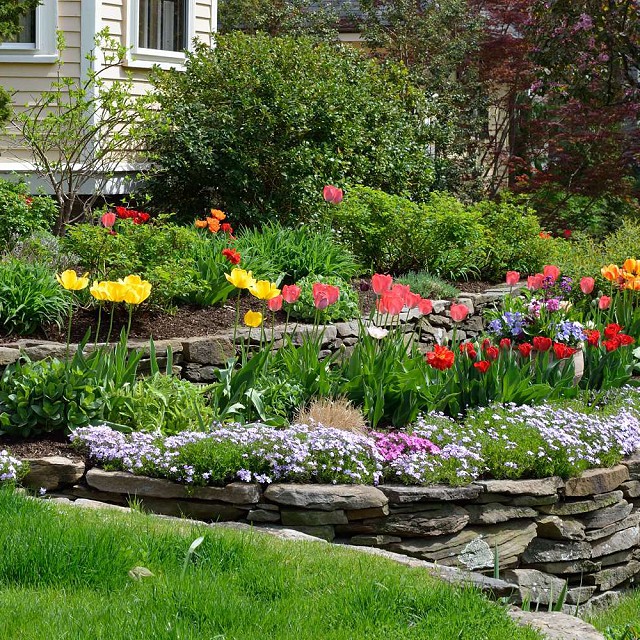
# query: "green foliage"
[[20, 214], [30, 297], [345, 308], [11, 11], [393, 234], [427, 285], [261, 124], [161, 254], [288, 255], [160, 403], [44, 248]]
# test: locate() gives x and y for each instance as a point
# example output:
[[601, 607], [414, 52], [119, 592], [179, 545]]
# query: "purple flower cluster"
[[509, 325], [11, 469], [569, 332], [396, 444]]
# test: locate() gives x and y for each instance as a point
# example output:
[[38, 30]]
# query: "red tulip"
[[440, 358], [612, 329], [333, 293], [381, 283], [593, 337], [332, 194], [525, 349], [505, 343], [482, 366], [402, 290], [562, 351], [291, 292], [551, 271], [513, 277], [492, 353], [231, 255], [108, 219], [541, 343], [275, 304], [566, 233], [412, 300], [390, 303], [624, 339], [425, 306], [535, 282], [458, 312], [604, 303], [469, 349], [586, 285]]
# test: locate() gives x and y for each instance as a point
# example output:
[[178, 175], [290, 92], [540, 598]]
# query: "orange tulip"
[[214, 225], [632, 266], [217, 214], [611, 272], [201, 224]]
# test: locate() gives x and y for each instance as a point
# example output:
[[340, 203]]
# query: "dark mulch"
[[54, 444]]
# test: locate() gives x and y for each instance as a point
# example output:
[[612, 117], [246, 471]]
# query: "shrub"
[[261, 124], [29, 297], [427, 285], [345, 308], [391, 233], [43, 248], [159, 253], [21, 214], [294, 254]]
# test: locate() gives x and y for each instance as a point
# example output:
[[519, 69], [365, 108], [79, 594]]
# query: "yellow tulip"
[[253, 319], [240, 278], [611, 272], [631, 265], [70, 281], [137, 293], [133, 280], [264, 290], [99, 291], [116, 291]]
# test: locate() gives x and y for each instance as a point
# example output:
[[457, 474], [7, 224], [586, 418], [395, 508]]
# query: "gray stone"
[[579, 595], [535, 587], [555, 528], [476, 555], [120, 482], [621, 557], [263, 515], [543, 550], [630, 521], [199, 373], [494, 513], [400, 494], [631, 488], [39, 350], [52, 472], [324, 532], [556, 625], [208, 511], [518, 501], [348, 329], [208, 350], [600, 602], [609, 515], [542, 487], [568, 568], [620, 541], [582, 506], [161, 347], [365, 514], [436, 521], [633, 465], [374, 541], [8, 356], [596, 481], [609, 578], [307, 517], [267, 506], [326, 497]]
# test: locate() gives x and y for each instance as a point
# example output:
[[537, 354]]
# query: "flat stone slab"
[[620, 541], [596, 481], [52, 472], [609, 515], [8, 355], [543, 550], [555, 625], [630, 521], [583, 506], [542, 487], [494, 513], [309, 517], [556, 528], [437, 521], [120, 482], [326, 497], [401, 494], [535, 586], [613, 576], [208, 350]]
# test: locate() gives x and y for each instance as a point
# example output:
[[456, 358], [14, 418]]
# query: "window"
[[162, 24], [37, 40]]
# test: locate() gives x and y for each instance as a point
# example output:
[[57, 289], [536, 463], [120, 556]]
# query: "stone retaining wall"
[[197, 358], [585, 531]]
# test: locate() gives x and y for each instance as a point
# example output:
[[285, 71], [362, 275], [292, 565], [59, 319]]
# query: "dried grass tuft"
[[337, 413]]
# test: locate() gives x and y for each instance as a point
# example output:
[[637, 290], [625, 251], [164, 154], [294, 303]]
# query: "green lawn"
[[621, 622], [64, 574]]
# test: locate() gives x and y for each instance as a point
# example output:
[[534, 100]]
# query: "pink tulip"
[[586, 285], [551, 271], [412, 300], [513, 277], [332, 194], [402, 290], [381, 283], [390, 303], [458, 312], [291, 292], [324, 295], [535, 282], [425, 306], [275, 304], [108, 220], [604, 302], [333, 293]]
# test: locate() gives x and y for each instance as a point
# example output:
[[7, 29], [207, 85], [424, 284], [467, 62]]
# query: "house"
[[155, 32]]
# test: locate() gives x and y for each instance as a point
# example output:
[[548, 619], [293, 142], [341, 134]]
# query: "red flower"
[[123, 212], [275, 304], [143, 217], [566, 233], [482, 366], [291, 292], [593, 337], [440, 358], [505, 343], [381, 283], [458, 312], [604, 303], [486, 343], [563, 351], [425, 306], [612, 344], [108, 220], [513, 277], [332, 194], [324, 295], [492, 353], [541, 343], [535, 282], [469, 349], [391, 303], [333, 293], [587, 285], [612, 330], [412, 300], [624, 339], [227, 228], [551, 271], [525, 349], [231, 255]]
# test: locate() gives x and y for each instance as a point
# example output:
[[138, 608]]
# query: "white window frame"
[[44, 49], [142, 58]]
